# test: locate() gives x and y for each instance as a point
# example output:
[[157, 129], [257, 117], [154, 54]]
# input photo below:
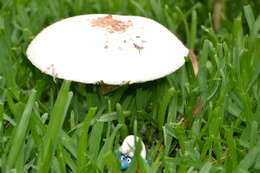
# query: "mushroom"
[[127, 150], [110, 49]]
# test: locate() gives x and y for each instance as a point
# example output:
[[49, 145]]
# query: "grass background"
[[208, 123]]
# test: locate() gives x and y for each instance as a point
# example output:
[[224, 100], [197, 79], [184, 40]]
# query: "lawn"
[[209, 123]]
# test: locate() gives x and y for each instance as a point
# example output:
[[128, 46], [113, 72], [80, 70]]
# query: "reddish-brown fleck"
[[51, 70], [139, 48], [106, 46], [110, 24]]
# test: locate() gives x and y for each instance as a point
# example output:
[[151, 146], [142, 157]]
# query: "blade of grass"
[[61, 159], [68, 143], [110, 161], [95, 139], [121, 120], [56, 120], [250, 18], [6, 63], [20, 132], [1, 118], [163, 106], [250, 158], [232, 147], [193, 31], [186, 25], [108, 146], [83, 139], [19, 163], [69, 161], [206, 168]]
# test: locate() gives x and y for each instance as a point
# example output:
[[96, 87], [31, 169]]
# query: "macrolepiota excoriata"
[[110, 49]]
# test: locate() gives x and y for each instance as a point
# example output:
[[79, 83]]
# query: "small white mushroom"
[[128, 146], [111, 49]]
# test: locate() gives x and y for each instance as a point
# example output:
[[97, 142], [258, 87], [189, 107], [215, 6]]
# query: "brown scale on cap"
[[51, 70], [139, 48], [110, 24]]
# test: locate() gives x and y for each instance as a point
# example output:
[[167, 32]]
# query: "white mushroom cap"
[[112, 49], [128, 146]]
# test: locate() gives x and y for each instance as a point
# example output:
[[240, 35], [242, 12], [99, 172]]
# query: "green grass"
[[61, 126]]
